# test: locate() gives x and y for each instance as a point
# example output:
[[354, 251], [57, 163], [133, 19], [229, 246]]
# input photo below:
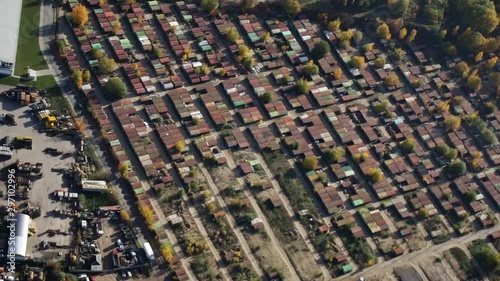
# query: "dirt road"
[[426, 253], [274, 241]]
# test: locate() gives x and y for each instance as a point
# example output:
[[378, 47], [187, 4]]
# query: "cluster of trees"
[[202, 70], [81, 77], [311, 69], [375, 174], [333, 155], [148, 215], [444, 150], [477, 124], [487, 258], [245, 57]]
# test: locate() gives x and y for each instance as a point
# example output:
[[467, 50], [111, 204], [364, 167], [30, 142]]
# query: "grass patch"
[[59, 103], [464, 263], [486, 257], [28, 48], [46, 82], [94, 200]]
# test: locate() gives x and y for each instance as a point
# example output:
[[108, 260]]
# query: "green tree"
[[303, 86], [494, 79], [209, 5], [423, 213], [310, 163], [115, 88], [292, 7], [357, 37], [334, 154], [408, 145], [249, 62], [107, 65], [321, 48], [311, 69], [471, 40], [489, 137], [267, 97], [470, 196], [398, 7], [489, 107], [488, 260], [383, 31], [457, 167], [381, 106]]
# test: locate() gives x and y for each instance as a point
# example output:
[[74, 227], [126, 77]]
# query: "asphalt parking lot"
[[27, 125]]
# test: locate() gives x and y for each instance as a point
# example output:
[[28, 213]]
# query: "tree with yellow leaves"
[[166, 252], [474, 161], [232, 35], [462, 68], [443, 106], [358, 61], [391, 80], [474, 83], [265, 37], [86, 76], [337, 73], [375, 174], [124, 216], [78, 77], [402, 33], [383, 31], [243, 51], [311, 69], [367, 47], [452, 122], [491, 45], [478, 57], [79, 15], [412, 36], [379, 62], [334, 25], [148, 216], [180, 146], [490, 64]]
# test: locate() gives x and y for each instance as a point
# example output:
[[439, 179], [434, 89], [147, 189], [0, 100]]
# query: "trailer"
[[149, 251]]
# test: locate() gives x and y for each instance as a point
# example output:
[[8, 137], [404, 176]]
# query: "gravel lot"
[[39, 195]]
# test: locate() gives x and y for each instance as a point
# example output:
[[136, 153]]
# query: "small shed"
[[347, 268]]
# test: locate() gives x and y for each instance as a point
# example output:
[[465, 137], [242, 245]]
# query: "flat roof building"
[[96, 186], [10, 20]]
